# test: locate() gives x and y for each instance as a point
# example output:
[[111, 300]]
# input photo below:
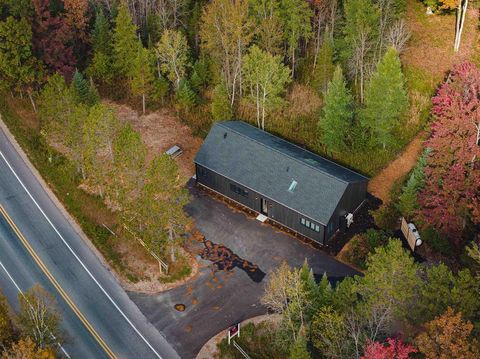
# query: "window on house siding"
[[309, 224], [238, 190]]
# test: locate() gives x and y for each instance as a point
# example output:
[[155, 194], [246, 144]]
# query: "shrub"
[[362, 244], [436, 241], [407, 201], [386, 217]]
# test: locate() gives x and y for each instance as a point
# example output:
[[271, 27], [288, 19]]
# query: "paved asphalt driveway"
[[216, 300]]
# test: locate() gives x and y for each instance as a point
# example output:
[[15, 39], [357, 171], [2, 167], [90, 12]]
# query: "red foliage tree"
[[52, 38], [451, 195], [395, 349]]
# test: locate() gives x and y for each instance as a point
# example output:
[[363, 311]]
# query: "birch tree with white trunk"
[[460, 23], [172, 54], [39, 318], [265, 79], [226, 31], [361, 34]]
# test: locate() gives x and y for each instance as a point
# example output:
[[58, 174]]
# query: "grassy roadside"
[[63, 179]]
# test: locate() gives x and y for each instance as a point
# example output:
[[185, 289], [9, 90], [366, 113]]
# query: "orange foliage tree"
[[448, 336]]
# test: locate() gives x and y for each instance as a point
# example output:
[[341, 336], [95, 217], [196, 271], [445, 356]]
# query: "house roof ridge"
[[223, 124]]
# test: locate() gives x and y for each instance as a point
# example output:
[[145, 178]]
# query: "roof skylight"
[[292, 187]]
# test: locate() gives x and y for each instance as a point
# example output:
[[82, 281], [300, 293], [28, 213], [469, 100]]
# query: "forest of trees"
[[222, 59]]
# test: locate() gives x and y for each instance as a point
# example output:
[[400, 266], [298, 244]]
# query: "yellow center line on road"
[[52, 279]]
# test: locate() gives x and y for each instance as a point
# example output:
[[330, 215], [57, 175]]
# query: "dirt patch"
[[143, 264], [380, 185], [160, 130], [431, 45]]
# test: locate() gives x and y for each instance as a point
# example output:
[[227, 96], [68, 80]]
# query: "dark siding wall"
[[222, 185], [354, 195], [292, 219], [276, 211]]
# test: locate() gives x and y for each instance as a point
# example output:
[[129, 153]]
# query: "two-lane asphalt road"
[[93, 291], [19, 272]]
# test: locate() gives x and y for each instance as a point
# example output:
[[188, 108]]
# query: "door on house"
[[264, 206]]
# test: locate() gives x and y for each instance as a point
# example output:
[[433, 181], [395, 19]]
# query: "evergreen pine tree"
[[385, 99], [84, 92], [186, 97], [200, 74], [407, 201], [153, 29], [124, 41], [160, 88], [101, 66], [298, 349], [337, 120], [141, 83], [221, 108], [295, 16], [324, 69], [101, 35]]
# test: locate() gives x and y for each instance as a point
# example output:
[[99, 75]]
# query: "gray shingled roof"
[[267, 164]]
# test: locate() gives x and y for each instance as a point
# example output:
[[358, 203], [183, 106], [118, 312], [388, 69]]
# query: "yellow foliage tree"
[[26, 348]]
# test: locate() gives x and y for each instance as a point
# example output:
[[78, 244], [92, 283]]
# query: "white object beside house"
[[262, 218], [349, 218]]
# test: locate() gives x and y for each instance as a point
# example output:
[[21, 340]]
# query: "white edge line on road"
[[23, 295], [79, 260]]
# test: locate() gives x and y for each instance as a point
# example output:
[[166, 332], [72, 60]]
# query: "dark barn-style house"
[[296, 188]]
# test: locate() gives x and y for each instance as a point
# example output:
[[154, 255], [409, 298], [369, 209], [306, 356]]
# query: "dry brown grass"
[[381, 184], [302, 101], [24, 110], [161, 130], [431, 45]]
